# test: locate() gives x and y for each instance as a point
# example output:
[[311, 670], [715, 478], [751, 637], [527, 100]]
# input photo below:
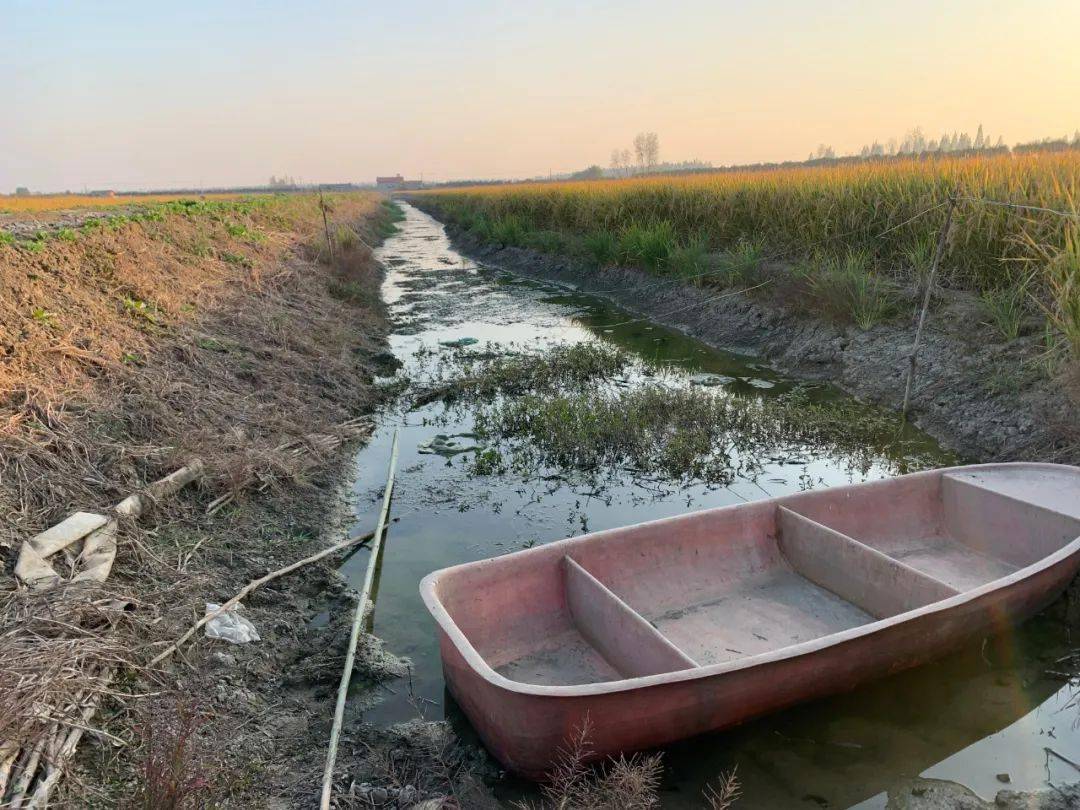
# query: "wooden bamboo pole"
[[324, 207], [939, 252], [354, 635]]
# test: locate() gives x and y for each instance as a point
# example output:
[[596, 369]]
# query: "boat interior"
[[722, 585]]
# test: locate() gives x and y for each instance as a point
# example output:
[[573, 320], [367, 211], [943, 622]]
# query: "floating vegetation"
[[686, 434], [595, 409]]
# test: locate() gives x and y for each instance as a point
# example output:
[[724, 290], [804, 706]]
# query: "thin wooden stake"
[[326, 225], [354, 635], [939, 252]]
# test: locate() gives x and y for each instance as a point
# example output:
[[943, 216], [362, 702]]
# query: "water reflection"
[[986, 710]]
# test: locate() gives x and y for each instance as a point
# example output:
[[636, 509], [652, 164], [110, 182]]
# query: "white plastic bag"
[[230, 625]]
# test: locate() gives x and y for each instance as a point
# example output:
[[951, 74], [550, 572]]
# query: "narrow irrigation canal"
[[999, 707]]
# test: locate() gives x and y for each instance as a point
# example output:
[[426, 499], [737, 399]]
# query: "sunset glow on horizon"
[[130, 96]]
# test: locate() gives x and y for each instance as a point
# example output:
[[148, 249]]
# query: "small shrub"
[[509, 230], [1005, 308], [66, 235], [726, 792], [872, 300], [1063, 280], [43, 316], [648, 246], [488, 462], [618, 784], [236, 259], [546, 241], [919, 256], [742, 264], [173, 773], [689, 261], [602, 248], [352, 292], [346, 238], [847, 289], [213, 345], [146, 310], [7, 238]]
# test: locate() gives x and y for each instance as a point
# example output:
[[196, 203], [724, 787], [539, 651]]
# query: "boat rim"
[[477, 662]]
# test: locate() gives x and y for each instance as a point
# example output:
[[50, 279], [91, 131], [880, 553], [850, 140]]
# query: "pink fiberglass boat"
[[672, 628]]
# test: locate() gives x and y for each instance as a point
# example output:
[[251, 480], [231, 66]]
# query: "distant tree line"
[[915, 144]]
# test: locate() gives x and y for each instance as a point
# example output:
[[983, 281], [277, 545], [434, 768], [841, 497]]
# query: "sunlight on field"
[[44, 203]]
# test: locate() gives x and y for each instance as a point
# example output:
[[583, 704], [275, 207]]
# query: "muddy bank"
[[232, 338], [982, 398]]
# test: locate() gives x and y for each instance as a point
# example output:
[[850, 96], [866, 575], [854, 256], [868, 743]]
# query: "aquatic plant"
[[569, 407]]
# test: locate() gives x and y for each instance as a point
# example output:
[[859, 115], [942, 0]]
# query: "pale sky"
[[147, 94]]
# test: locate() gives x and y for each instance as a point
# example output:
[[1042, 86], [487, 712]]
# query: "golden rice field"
[[890, 210], [851, 242], [45, 203]]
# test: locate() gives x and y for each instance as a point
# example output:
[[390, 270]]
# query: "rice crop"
[[888, 213], [862, 206]]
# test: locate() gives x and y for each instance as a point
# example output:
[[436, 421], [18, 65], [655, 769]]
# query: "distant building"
[[103, 192], [390, 182]]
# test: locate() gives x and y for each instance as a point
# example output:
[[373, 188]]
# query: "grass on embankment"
[[210, 331], [852, 243]]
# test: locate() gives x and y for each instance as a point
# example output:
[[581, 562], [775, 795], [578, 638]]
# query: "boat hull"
[[524, 725]]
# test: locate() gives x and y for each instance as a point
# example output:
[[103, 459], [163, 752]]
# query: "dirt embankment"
[[226, 335], [985, 399]]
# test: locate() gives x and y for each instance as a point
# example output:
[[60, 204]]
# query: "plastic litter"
[[457, 344], [710, 380], [445, 445], [230, 625]]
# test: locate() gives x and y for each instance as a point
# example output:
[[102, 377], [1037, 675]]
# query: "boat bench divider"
[[618, 632], [869, 579], [993, 520]]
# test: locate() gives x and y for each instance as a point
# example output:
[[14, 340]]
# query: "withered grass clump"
[[618, 783], [623, 783], [55, 646]]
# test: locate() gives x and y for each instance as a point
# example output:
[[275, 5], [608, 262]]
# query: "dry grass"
[[248, 364], [101, 398], [619, 783], [42, 203]]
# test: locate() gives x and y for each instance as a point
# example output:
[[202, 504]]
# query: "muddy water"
[[988, 710]]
